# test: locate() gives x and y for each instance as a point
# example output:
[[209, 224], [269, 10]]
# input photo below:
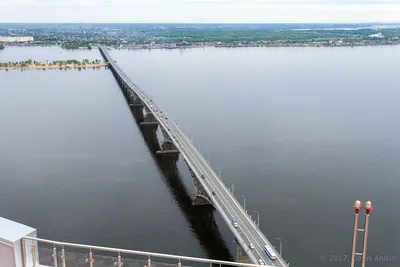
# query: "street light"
[[258, 218], [244, 206], [280, 246], [219, 171], [233, 187]]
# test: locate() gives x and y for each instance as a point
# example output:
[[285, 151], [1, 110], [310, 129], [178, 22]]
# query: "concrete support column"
[[201, 197], [240, 256]]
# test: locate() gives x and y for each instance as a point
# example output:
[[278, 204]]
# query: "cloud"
[[360, 2], [241, 11]]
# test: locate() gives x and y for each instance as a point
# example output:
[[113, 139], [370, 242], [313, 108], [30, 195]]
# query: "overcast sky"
[[200, 11]]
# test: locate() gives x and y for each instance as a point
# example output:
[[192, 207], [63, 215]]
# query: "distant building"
[[377, 35], [19, 39]]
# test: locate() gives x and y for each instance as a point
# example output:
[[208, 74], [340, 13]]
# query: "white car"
[[251, 245], [261, 262], [235, 223]]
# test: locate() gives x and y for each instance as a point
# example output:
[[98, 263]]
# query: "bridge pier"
[[201, 197], [125, 89], [130, 96], [168, 149], [241, 256], [137, 109], [149, 121], [150, 136]]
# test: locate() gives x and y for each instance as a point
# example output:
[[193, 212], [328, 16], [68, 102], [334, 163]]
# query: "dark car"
[[202, 176], [213, 193]]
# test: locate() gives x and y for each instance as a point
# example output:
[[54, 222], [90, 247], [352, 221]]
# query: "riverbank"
[[56, 64], [168, 46], [67, 66], [146, 47]]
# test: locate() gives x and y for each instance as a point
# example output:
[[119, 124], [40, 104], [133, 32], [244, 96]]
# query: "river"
[[301, 132]]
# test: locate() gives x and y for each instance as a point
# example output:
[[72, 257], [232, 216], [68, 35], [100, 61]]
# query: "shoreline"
[[166, 47], [251, 46], [45, 67]]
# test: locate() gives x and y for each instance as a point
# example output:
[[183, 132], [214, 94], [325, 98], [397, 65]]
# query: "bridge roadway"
[[223, 200]]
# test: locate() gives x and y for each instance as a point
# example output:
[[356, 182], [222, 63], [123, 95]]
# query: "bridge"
[[208, 186]]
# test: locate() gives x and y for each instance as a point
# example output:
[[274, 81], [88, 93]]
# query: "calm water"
[[301, 132]]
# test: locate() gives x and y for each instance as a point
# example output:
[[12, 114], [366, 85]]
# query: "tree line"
[[60, 63]]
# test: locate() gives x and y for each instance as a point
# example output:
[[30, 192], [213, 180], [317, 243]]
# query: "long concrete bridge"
[[208, 186]]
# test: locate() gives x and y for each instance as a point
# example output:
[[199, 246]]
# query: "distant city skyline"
[[198, 11]]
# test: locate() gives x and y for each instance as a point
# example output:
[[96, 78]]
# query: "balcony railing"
[[39, 252]]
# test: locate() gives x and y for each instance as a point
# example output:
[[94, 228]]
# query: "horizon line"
[[365, 22]]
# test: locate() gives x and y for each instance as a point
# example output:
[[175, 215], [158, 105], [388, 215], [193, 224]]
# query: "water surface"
[[301, 132]]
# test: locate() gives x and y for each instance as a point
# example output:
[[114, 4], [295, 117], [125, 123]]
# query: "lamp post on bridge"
[[233, 187], [280, 245], [209, 158], [244, 206], [219, 171], [258, 218]]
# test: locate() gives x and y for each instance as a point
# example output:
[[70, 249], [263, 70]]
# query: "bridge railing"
[[39, 252]]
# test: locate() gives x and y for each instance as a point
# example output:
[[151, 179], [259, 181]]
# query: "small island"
[[57, 64]]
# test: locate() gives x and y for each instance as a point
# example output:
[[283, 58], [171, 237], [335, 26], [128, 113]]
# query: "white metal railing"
[[32, 257]]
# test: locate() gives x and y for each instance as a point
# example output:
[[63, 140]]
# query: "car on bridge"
[[260, 261], [251, 246], [202, 176], [235, 223]]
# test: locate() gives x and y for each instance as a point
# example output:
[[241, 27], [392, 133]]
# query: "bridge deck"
[[223, 200]]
